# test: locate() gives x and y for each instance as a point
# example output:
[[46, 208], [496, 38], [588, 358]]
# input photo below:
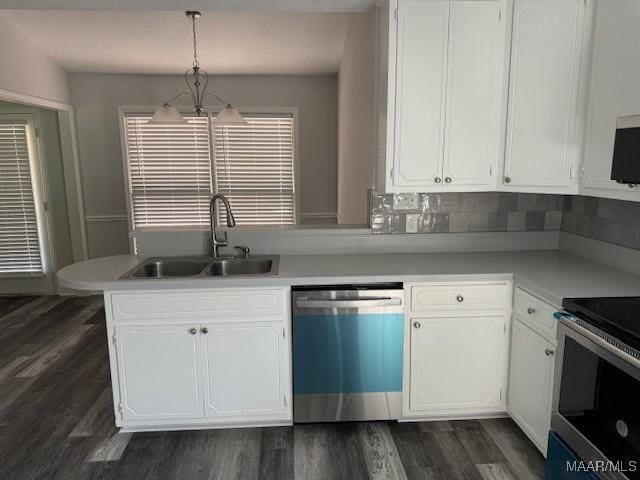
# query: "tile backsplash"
[[464, 212], [613, 221]]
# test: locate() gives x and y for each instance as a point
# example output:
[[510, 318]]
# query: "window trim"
[[141, 109]]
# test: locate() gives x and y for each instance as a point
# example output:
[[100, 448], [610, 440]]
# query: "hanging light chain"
[[196, 63]]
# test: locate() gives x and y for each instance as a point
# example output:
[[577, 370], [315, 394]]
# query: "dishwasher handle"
[[350, 302]]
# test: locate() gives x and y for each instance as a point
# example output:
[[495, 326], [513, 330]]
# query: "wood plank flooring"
[[56, 422]]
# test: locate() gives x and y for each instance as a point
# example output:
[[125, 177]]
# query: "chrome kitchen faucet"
[[216, 243]]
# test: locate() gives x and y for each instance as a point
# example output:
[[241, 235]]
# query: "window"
[[173, 170], [254, 169], [20, 248]]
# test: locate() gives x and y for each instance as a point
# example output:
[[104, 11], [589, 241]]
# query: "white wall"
[[356, 120], [96, 99], [27, 71]]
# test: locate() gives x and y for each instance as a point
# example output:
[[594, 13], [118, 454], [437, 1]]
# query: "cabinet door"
[[246, 370], [474, 132], [420, 93], [530, 382], [457, 364], [614, 92], [542, 142], [159, 372]]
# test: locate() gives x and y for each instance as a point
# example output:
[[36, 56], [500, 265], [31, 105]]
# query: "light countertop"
[[552, 275]]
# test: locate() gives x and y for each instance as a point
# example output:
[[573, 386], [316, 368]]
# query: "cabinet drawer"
[[459, 296], [210, 305], [535, 312]]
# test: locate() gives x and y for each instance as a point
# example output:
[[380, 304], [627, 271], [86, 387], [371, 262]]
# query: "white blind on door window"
[[19, 240], [169, 172], [254, 169]]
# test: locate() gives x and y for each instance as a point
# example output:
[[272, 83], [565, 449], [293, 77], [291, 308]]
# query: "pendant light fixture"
[[197, 81]]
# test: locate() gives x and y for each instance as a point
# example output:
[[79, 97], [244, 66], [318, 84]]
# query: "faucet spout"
[[216, 242]]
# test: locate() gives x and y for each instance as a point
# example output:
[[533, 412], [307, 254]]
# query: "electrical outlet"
[[405, 201], [412, 223]]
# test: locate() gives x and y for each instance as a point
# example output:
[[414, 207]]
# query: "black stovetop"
[[617, 316]]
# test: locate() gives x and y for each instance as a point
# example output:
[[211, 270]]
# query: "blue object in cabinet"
[[559, 458]]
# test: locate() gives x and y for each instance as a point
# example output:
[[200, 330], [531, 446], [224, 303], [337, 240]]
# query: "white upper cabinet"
[[420, 93], [474, 93], [614, 92], [543, 128], [448, 75]]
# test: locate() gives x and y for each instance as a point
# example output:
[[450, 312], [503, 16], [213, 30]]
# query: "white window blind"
[[169, 172], [171, 169], [254, 169], [20, 250]]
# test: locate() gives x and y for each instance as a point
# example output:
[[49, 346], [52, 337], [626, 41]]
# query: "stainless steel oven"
[[596, 403]]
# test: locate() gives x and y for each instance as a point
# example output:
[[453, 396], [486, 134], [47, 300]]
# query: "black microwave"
[[626, 151]]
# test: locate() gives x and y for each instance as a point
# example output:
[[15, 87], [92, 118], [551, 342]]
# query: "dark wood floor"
[[56, 421]]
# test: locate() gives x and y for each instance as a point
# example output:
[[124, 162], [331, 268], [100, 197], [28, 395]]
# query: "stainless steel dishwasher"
[[347, 352]]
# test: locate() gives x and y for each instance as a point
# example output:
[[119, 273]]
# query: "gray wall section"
[[96, 99], [465, 212], [615, 222], [612, 221], [26, 70], [356, 118]]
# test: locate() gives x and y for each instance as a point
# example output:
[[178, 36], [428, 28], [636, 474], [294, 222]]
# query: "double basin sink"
[[190, 267]]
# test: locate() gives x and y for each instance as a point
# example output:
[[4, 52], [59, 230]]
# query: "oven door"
[[596, 404]]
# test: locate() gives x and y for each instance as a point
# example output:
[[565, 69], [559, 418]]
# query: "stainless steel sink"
[[168, 267], [241, 266], [190, 267]]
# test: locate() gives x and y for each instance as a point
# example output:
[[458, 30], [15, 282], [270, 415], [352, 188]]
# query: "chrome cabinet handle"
[[548, 352], [193, 331], [531, 311], [205, 330], [507, 179], [448, 180], [437, 180], [460, 298], [350, 303], [417, 324]]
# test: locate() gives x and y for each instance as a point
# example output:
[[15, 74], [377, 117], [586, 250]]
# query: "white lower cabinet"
[[245, 370], [456, 358], [159, 372], [531, 382], [457, 364], [213, 365]]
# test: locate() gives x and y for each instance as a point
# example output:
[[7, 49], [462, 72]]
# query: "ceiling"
[[202, 5], [159, 42]]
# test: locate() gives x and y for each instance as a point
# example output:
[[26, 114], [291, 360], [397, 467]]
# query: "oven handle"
[[621, 354], [350, 303]]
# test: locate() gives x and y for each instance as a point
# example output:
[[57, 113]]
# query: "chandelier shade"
[[229, 116], [167, 115]]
